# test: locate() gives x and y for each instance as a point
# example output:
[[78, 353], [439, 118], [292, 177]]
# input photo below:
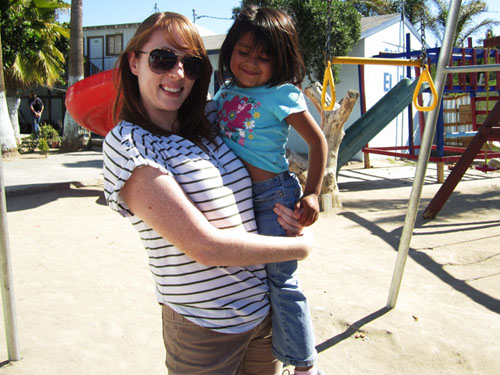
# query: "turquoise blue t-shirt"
[[252, 122]]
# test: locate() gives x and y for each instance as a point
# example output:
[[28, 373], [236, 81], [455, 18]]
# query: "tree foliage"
[[434, 13], [467, 24], [369, 8], [30, 40], [312, 19], [412, 9]]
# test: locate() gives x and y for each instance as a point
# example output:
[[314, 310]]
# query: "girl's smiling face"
[[249, 65], [161, 94]]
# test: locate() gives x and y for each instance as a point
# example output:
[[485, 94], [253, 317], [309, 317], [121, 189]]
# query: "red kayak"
[[90, 102]]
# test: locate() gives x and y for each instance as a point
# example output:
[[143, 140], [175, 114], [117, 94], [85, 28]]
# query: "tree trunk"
[[332, 124], [13, 103], [7, 138], [74, 136]]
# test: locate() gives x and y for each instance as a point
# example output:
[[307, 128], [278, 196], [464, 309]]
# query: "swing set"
[[421, 60], [488, 131]]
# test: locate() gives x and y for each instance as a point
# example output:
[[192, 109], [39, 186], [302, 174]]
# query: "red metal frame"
[[396, 151]]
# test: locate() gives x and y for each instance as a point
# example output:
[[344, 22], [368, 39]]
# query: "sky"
[[105, 12]]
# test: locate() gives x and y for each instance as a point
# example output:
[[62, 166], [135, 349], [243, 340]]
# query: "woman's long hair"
[[193, 124]]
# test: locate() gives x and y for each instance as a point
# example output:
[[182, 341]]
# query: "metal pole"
[[473, 68], [9, 310], [423, 157]]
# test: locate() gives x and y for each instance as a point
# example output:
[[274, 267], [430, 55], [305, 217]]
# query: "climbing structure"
[[480, 91]]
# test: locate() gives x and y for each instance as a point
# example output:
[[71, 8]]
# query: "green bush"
[[48, 132], [43, 146]]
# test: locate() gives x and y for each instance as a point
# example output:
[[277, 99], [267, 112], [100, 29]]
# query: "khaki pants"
[[194, 350]]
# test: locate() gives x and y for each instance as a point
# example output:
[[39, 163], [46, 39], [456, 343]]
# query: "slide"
[[90, 102], [375, 119]]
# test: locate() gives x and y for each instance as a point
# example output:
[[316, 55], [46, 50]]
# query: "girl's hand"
[[307, 209], [288, 220]]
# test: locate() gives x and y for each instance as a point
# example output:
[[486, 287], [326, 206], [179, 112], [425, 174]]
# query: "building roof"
[[213, 42], [374, 24], [115, 26]]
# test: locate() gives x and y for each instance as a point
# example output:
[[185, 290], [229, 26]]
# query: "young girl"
[[255, 110]]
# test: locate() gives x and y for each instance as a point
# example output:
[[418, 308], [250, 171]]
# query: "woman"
[[190, 199]]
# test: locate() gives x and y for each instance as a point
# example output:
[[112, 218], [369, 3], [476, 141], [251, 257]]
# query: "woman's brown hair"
[[273, 34], [193, 124]]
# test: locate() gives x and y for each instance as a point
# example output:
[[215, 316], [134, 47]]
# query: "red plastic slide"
[[90, 102]]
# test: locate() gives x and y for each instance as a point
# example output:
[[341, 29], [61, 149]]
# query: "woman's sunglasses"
[[163, 60]]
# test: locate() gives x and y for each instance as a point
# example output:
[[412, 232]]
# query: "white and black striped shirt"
[[226, 299]]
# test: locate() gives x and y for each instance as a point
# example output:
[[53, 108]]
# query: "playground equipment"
[[424, 78], [90, 102], [442, 58], [375, 119], [488, 131], [447, 148]]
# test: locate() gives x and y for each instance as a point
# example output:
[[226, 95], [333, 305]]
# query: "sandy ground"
[[85, 301]]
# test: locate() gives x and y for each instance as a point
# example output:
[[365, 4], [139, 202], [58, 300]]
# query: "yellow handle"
[[374, 61], [425, 77], [328, 80]]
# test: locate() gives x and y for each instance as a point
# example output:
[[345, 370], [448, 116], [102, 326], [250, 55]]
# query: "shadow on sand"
[[458, 204], [58, 191]]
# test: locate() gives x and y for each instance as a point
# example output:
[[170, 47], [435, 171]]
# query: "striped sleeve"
[[122, 154]]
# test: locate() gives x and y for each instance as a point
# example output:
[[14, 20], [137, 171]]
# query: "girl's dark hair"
[[193, 124], [273, 33]]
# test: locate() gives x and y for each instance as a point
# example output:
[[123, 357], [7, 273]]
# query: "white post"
[[9, 310], [423, 157]]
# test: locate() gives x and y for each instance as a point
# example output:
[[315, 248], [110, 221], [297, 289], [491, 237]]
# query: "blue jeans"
[[36, 125], [293, 333]]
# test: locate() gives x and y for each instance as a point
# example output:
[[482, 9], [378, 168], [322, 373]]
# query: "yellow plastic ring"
[[328, 80], [425, 77]]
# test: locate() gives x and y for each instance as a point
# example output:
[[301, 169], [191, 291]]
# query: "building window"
[[114, 44]]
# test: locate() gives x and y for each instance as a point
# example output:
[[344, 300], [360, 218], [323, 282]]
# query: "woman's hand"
[[288, 220]]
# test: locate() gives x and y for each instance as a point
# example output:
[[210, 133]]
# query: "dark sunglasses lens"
[[161, 61], [192, 66]]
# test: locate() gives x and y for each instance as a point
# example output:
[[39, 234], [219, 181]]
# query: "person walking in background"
[[256, 108], [36, 107]]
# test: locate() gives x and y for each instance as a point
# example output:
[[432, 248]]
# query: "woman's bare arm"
[[158, 200]]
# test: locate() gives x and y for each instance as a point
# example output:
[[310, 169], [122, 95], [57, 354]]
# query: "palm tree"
[[73, 136], [32, 57], [466, 26]]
